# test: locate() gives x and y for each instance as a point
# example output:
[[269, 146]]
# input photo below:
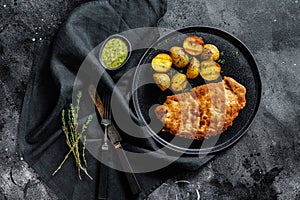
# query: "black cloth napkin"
[[41, 141]]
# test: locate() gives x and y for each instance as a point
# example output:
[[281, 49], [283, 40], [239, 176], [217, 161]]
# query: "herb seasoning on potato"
[[214, 51], [179, 57], [179, 82], [192, 51], [193, 45], [193, 68], [162, 80], [210, 70], [161, 62]]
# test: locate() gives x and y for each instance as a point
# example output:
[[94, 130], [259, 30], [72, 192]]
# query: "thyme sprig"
[[73, 135]]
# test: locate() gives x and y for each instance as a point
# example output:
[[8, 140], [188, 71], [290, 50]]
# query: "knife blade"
[[113, 134], [116, 139]]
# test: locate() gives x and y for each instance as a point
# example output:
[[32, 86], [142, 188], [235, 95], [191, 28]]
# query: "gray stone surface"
[[264, 164]]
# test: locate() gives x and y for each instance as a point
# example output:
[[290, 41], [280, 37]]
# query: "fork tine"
[[109, 107], [105, 105]]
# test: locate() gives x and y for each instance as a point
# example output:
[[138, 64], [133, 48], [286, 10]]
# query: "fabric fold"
[[50, 88]]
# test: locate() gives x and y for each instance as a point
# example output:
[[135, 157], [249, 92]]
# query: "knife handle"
[[130, 176], [102, 192]]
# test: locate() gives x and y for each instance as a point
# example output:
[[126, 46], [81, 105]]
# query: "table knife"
[[116, 139]]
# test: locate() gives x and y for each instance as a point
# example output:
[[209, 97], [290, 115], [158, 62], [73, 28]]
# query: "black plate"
[[239, 64]]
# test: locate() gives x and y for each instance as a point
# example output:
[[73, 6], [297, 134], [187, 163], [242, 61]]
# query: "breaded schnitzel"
[[206, 110]]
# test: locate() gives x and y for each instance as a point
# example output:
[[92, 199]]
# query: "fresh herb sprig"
[[73, 135]]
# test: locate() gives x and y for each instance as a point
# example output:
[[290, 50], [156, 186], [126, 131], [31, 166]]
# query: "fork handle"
[[105, 135], [130, 176], [102, 192]]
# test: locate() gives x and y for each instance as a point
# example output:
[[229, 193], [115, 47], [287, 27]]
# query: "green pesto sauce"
[[114, 53]]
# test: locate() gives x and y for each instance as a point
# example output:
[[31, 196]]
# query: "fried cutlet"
[[206, 110]]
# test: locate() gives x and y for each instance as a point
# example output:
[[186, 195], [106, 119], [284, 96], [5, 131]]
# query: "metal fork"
[[106, 120]]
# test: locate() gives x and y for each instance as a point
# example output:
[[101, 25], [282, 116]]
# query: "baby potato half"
[[179, 82], [161, 62], [179, 57], [193, 45], [210, 52], [193, 68], [162, 80], [210, 70]]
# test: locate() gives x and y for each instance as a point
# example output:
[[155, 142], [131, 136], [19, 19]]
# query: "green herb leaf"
[[73, 136], [236, 52]]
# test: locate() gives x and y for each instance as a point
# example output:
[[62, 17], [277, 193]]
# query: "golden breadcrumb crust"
[[206, 110]]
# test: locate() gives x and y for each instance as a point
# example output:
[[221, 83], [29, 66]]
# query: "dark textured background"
[[264, 164]]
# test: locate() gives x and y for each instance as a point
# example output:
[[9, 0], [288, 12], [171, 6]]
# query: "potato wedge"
[[193, 68], [161, 63], [162, 80], [210, 70], [210, 52], [193, 45], [179, 57], [179, 82]]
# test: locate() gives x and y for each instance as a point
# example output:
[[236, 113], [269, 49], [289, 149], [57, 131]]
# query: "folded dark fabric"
[[41, 141]]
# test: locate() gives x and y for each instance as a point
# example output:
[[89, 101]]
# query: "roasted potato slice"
[[193, 68], [179, 82], [179, 57], [210, 52], [161, 62], [193, 45], [206, 54], [162, 80], [210, 70]]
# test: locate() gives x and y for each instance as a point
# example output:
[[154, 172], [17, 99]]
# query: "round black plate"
[[236, 61]]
